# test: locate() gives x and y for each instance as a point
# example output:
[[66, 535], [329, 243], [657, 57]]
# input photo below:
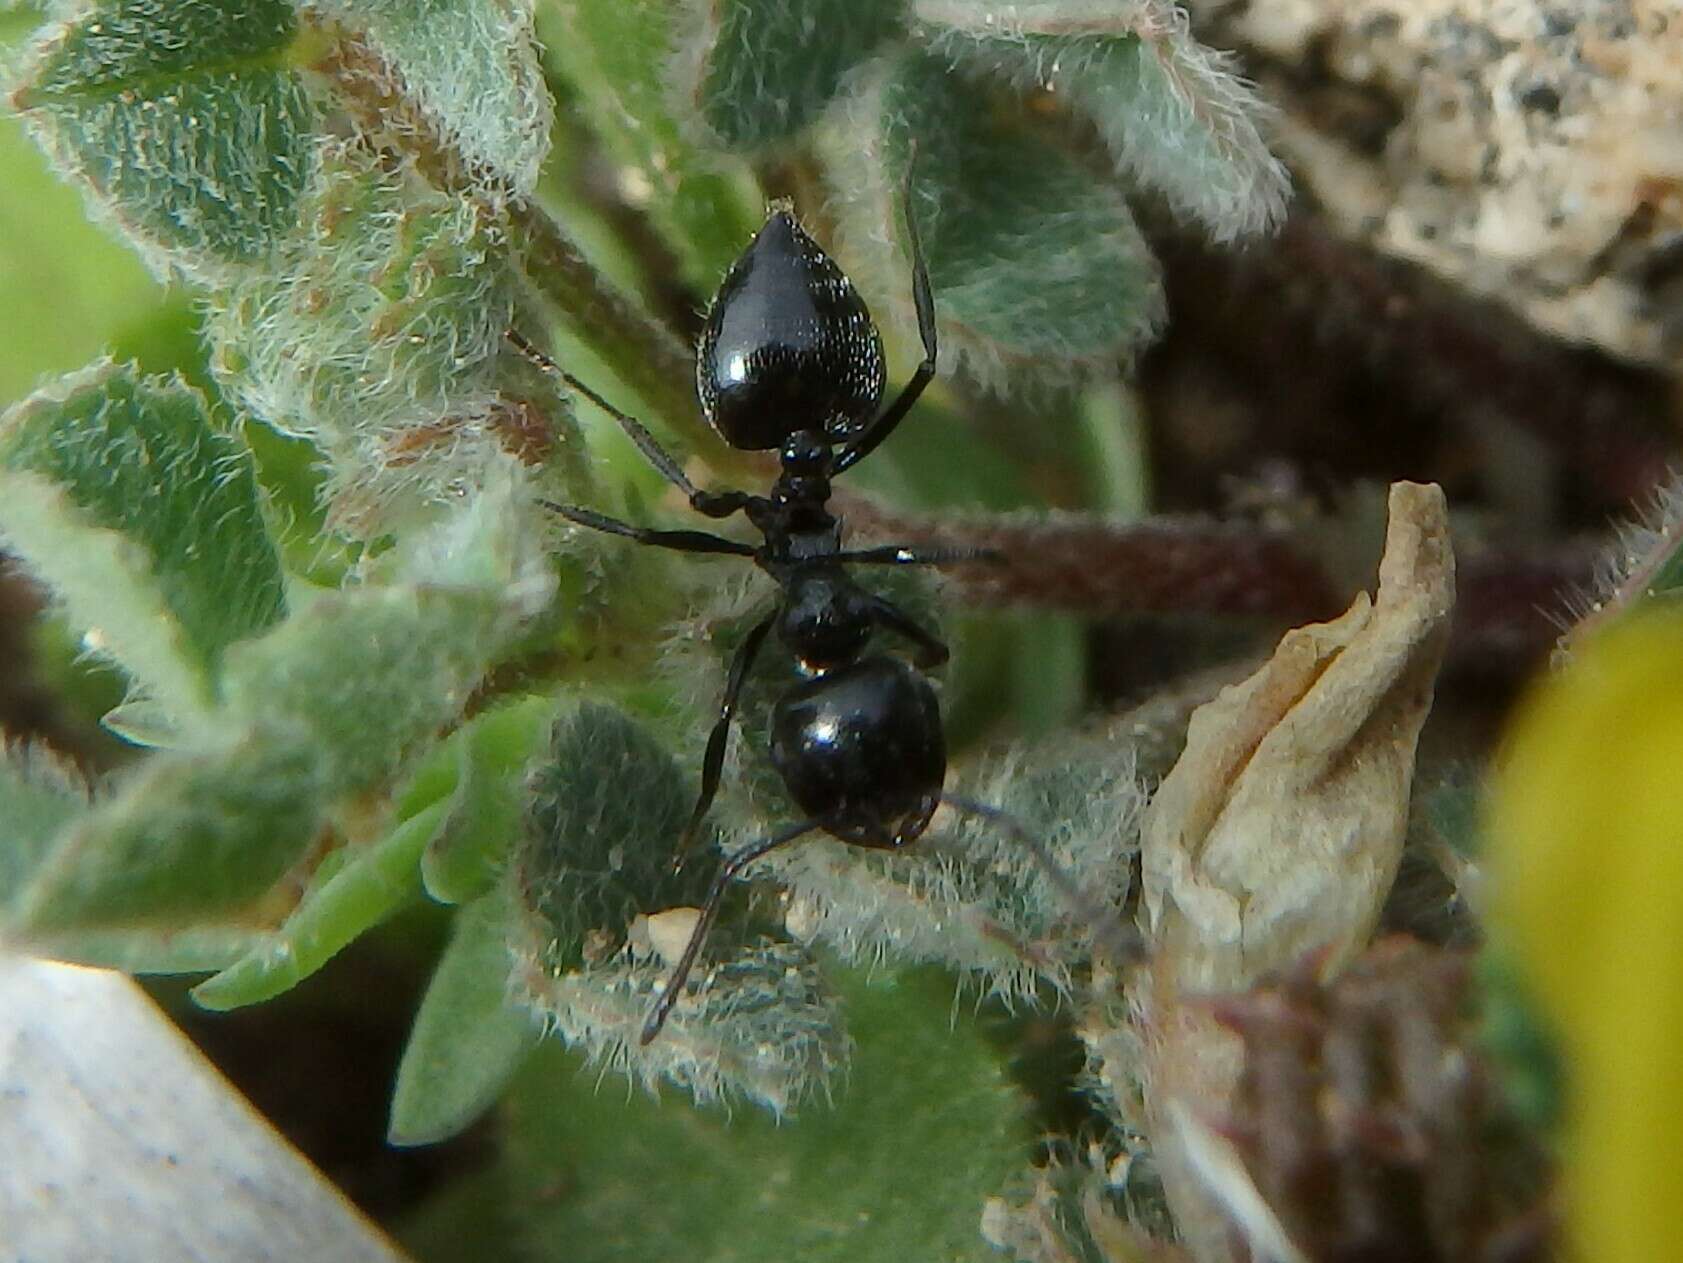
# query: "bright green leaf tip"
[[464, 793], [467, 1039], [360, 893], [490, 759]]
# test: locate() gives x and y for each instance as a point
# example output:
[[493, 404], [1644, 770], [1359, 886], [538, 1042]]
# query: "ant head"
[[788, 345]]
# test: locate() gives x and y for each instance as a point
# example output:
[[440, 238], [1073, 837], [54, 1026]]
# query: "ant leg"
[[901, 555], [932, 650], [714, 762], [733, 865], [924, 301], [1122, 942], [681, 541], [712, 503]]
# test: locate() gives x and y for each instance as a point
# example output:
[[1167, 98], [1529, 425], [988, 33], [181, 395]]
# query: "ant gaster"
[[789, 359]]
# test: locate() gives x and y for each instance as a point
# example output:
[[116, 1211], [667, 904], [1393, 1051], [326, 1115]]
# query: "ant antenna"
[[635, 430]]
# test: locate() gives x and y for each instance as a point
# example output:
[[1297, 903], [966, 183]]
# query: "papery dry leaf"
[[1280, 828], [1279, 831]]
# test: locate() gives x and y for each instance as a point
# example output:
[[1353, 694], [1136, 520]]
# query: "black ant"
[[789, 358]]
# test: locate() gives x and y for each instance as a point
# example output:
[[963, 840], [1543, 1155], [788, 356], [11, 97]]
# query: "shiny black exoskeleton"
[[787, 342], [790, 359]]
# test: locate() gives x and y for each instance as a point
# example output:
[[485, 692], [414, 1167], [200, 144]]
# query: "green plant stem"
[[646, 356], [643, 354]]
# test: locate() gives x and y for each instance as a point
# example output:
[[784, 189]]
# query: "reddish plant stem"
[[1087, 565], [1509, 607]]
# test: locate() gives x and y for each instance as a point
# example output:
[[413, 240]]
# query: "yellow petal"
[[1587, 845]]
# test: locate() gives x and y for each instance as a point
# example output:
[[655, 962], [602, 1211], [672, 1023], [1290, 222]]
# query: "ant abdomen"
[[862, 748], [788, 345]]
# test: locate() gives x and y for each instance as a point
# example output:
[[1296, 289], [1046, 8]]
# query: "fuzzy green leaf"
[[606, 806], [1030, 258], [376, 332], [183, 120], [488, 542], [471, 66], [330, 704], [924, 1130], [769, 68], [38, 798], [192, 837], [1176, 115], [760, 1023], [468, 1040], [361, 679], [155, 949], [619, 57], [144, 520], [357, 895]]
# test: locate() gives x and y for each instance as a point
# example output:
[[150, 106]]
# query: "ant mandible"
[[789, 358]]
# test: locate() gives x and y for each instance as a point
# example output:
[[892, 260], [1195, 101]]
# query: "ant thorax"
[[805, 476], [826, 619], [796, 533]]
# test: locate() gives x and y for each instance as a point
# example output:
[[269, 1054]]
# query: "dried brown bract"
[[1278, 833], [1279, 830]]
